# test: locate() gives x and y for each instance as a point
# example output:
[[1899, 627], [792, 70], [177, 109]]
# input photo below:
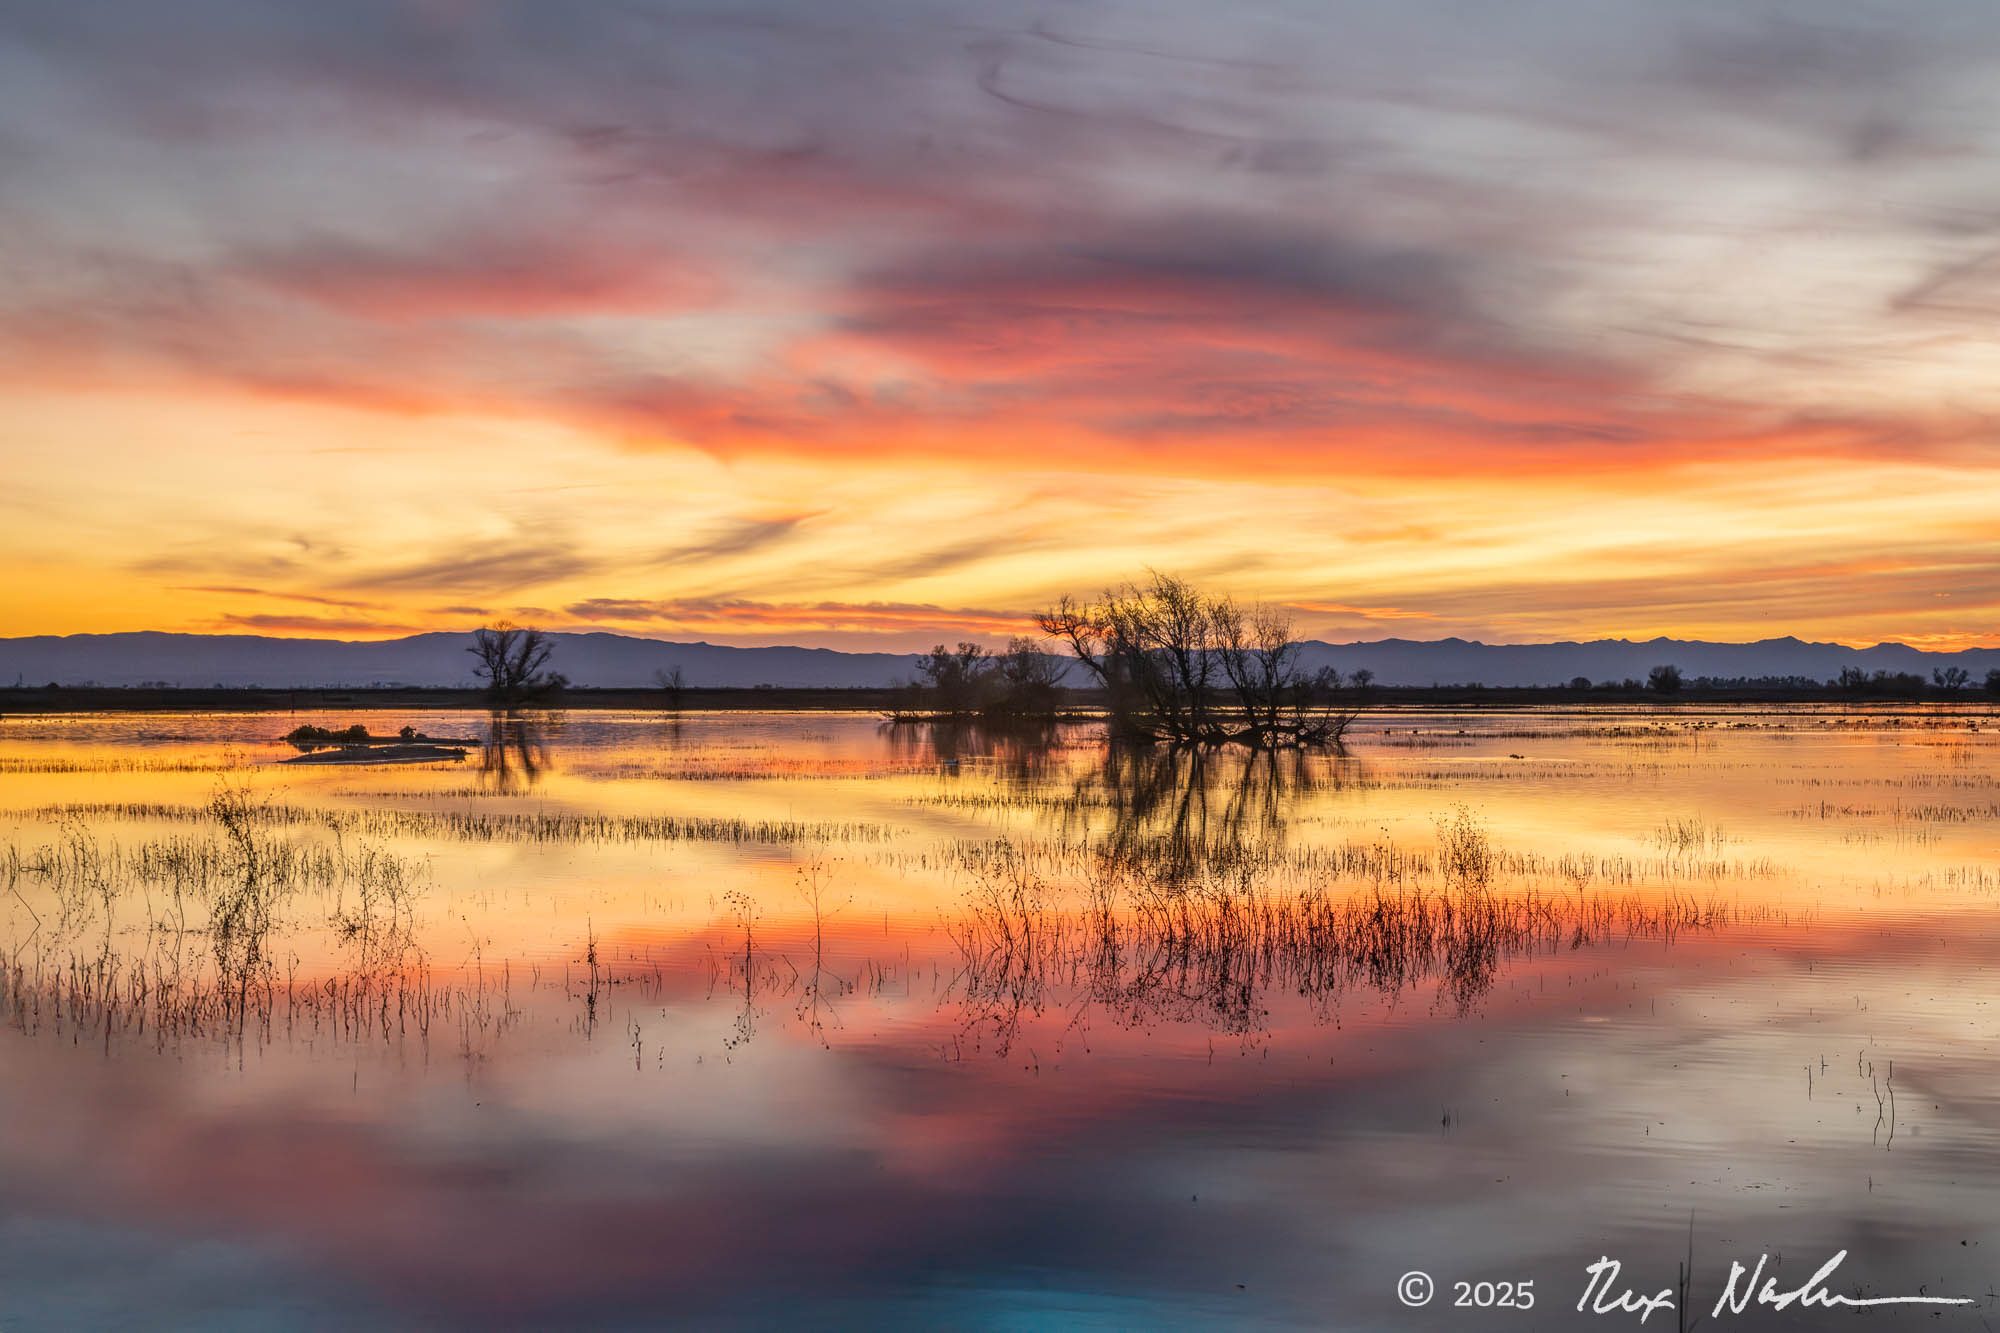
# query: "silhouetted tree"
[[1259, 655], [1172, 660], [1951, 678], [1665, 679], [1579, 682], [1993, 682], [514, 664], [673, 685], [1894, 684], [1122, 640], [1024, 681], [952, 678]]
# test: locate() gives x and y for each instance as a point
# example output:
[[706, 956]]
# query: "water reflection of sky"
[[749, 1116]]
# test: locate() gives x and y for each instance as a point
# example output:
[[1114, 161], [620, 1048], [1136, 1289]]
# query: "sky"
[[869, 324]]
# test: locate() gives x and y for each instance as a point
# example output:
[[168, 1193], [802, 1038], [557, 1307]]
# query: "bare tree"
[[1664, 679], [1180, 666], [1025, 681], [673, 684], [1084, 630], [514, 663], [1094, 637], [1181, 637], [1951, 678], [952, 677], [1154, 648], [1258, 656]]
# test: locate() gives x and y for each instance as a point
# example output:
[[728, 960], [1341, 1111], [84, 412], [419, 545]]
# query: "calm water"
[[799, 1020]]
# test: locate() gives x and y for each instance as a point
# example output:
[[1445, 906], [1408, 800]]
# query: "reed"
[[480, 826]]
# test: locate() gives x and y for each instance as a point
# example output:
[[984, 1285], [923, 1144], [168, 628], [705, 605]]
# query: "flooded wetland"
[[628, 1020]]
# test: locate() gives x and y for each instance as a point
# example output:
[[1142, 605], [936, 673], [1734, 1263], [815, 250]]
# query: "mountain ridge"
[[438, 659]]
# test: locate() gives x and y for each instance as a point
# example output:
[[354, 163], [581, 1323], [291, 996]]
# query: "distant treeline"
[[899, 701], [1161, 659], [1165, 661], [1950, 683], [1947, 682]]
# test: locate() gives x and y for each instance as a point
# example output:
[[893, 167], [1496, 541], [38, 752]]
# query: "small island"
[[357, 745]]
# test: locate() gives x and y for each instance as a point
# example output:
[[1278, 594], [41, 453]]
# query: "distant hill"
[[1465, 662], [616, 660], [202, 660]]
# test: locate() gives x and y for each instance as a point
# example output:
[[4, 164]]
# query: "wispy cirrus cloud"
[[296, 624], [742, 615], [495, 565], [734, 537], [226, 590], [1364, 612]]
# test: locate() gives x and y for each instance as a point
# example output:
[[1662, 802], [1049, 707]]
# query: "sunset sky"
[[867, 324]]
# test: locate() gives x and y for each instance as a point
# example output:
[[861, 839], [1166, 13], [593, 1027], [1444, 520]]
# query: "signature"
[[1604, 1292]]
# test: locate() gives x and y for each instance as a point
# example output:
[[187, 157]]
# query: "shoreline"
[[762, 699]]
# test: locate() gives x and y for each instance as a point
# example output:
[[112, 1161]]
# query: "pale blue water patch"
[[59, 1274]]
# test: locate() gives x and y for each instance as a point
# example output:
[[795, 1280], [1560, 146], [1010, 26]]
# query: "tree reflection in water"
[[1178, 814], [1189, 912], [516, 753], [1024, 751], [1181, 810]]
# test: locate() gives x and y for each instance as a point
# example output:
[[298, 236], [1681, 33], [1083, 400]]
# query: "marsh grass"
[[1930, 812], [212, 971], [1689, 837], [171, 1001], [1465, 855], [1463, 852], [80, 865], [121, 764], [481, 826], [1214, 953]]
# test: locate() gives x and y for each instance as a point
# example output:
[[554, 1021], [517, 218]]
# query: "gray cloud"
[[229, 590], [739, 537], [412, 205], [314, 624], [504, 567]]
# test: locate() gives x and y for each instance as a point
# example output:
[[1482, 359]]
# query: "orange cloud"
[[311, 625], [744, 616], [1365, 612]]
